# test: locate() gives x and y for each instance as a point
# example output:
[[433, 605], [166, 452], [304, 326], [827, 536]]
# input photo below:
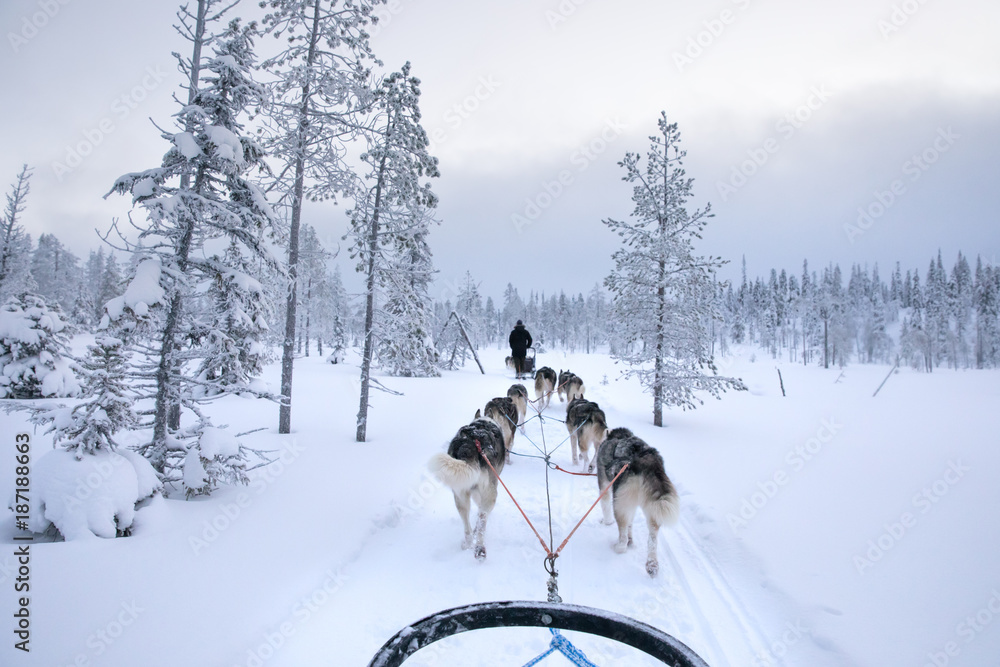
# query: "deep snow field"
[[826, 527]]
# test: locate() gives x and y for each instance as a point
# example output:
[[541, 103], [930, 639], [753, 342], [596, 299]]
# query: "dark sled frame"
[[636, 634]]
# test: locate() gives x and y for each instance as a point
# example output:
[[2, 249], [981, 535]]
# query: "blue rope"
[[564, 646]]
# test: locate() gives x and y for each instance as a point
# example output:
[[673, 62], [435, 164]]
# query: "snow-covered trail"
[[411, 565]]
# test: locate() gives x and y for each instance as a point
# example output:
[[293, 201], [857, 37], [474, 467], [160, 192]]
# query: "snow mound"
[[94, 495]]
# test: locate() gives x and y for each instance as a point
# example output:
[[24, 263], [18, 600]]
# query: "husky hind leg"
[[487, 499], [652, 563], [626, 501], [463, 504]]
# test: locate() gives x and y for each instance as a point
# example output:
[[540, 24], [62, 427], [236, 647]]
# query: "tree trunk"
[[167, 394], [288, 346], [366, 357], [174, 409]]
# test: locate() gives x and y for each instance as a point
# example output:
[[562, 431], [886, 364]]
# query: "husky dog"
[[463, 470], [504, 412], [644, 484], [545, 384], [587, 426], [509, 362], [519, 394], [570, 384]]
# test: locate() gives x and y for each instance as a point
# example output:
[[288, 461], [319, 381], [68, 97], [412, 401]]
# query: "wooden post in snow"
[[465, 335], [886, 379]]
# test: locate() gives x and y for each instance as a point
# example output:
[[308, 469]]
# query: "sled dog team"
[[490, 437]]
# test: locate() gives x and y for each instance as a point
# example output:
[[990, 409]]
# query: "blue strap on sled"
[[564, 646]]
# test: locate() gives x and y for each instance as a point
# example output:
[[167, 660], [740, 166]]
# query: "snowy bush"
[[33, 342], [216, 457], [89, 495]]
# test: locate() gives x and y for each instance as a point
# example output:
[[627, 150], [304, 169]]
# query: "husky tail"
[[665, 510], [456, 474]]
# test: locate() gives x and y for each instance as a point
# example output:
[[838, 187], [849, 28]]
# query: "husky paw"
[[591, 467], [652, 568], [620, 548], [480, 552], [607, 522], [467, 542]]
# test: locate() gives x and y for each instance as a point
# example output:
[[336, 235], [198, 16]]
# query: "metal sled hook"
[[553, 582]]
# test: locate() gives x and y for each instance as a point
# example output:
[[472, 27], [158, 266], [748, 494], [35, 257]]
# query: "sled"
[[529, 363]]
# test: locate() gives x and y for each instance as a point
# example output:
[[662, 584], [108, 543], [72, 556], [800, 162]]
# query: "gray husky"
[[519, 394], [545, 384], [587, 426], [570, 384], [504, 412], [645, 484], [464, 471]]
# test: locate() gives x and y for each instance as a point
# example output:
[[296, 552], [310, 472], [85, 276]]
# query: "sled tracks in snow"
[[729, 631]]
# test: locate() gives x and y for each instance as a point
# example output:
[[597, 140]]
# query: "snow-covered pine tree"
[[15, 245], [88, 449], [311, 278], [405, 341], [987, 305], [34, 350], [56, 272], [391, 204], [662, 292], [320, 85], [107, 408], [198, 200]]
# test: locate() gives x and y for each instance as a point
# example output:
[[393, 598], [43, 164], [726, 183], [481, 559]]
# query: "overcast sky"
[[795, 116]]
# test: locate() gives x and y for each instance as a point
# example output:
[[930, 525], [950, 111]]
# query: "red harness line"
[[551, 554]]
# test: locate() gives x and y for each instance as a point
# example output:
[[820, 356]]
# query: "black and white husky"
[[570, 384], [587, 427], [519, 394], [645, 484], [545, 384], [464, 471]]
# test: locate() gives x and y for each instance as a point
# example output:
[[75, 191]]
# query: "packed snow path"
[[334, 549]]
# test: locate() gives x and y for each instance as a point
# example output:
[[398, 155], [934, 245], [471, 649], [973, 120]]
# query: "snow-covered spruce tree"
[[15, 244], [405, 341], [320, 82], [88, 450], [662, 293], [231, 340], [34, 350], [391, 203], [198, 204]]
